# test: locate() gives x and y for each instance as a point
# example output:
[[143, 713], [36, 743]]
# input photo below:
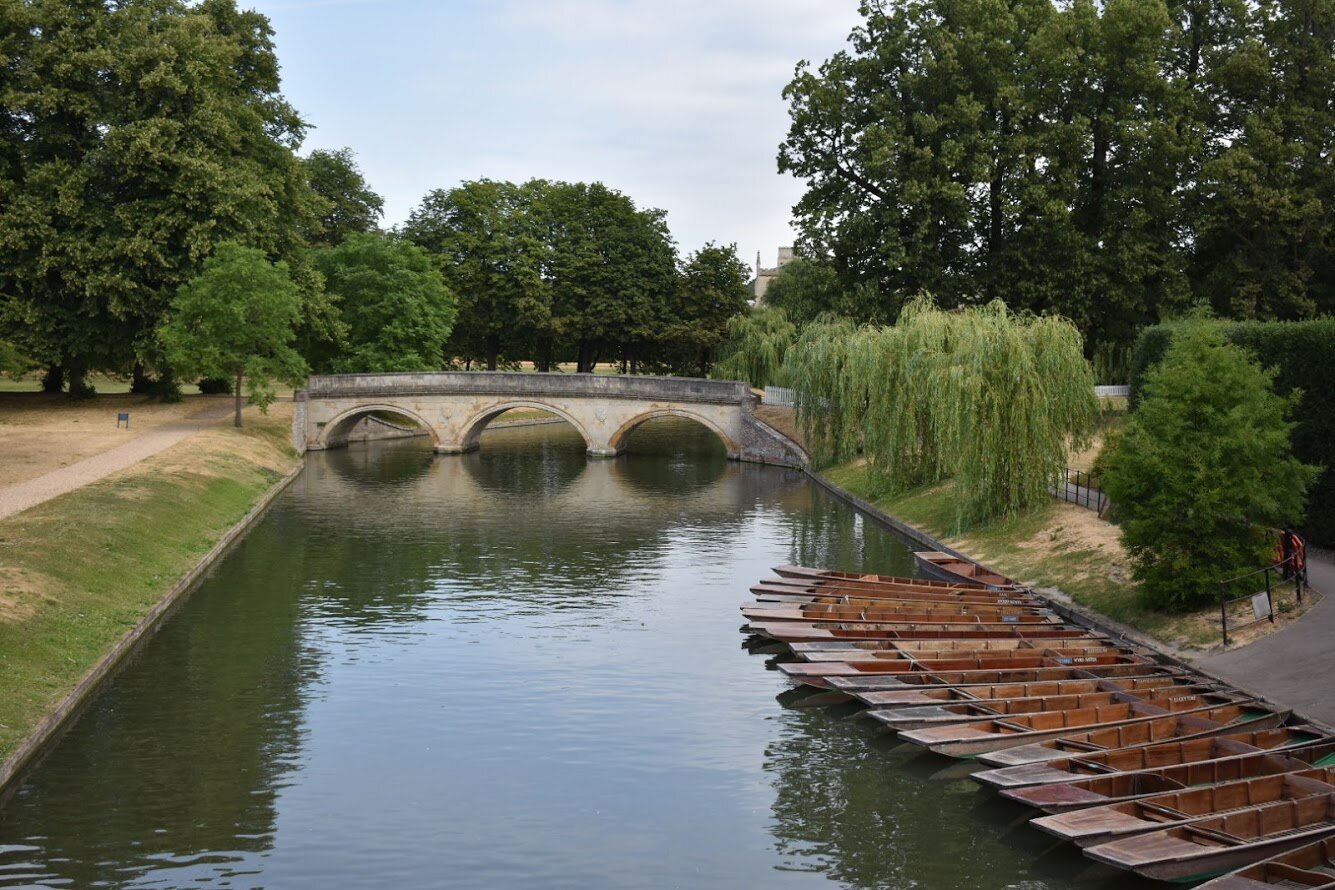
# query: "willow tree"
[[755, 347], [984, 396], [830, 389]]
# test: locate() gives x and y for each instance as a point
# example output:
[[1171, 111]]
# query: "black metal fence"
[[1077, 487], [1259, 593]]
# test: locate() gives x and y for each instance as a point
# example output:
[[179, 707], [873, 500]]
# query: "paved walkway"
[[1294, 666], [21, 495]]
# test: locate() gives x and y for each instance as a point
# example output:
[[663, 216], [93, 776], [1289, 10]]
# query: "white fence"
[[1104, 391]]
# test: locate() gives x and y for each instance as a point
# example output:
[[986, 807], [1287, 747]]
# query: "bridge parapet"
[[525, 385], [455, 407]]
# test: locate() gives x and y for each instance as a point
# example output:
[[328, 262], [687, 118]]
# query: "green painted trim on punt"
[[1328, 760]]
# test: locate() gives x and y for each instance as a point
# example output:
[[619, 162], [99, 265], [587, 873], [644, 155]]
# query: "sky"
[[675, 103]]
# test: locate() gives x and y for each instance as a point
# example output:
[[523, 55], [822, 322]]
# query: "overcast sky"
[[675, 103]]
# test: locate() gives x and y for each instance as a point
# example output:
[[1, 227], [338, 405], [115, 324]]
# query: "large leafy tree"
[[1265, 230], [140, 135], [611, 268], [396, 308], [1202, 466], [345, 202], [485, 240], [236, 320], [711, 289], [1109, 161]]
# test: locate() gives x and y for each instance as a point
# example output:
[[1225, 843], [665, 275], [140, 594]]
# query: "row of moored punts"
[[1145, 765]]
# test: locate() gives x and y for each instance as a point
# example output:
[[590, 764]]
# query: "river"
[[513, 668]]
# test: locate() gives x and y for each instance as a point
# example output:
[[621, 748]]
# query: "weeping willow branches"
[[756, 347], [983, 396]]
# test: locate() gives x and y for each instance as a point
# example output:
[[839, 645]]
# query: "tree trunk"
[[77, 372], [493, 350], [53, 381], [139, 382], [237, 421]]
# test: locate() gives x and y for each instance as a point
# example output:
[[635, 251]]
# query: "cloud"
[[676, 104]]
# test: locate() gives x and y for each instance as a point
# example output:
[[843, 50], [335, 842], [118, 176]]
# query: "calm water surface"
[[515, 668]]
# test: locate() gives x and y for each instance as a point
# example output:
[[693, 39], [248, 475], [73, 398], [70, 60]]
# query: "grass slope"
[[77, 572], [1057, 546]]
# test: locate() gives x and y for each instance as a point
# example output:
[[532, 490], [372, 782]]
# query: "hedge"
[[1304, 353]]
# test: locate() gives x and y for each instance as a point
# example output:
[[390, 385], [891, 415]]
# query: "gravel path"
[[20, 496]]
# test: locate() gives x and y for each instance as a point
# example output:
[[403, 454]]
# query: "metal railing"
[[1262, 599], [780, 395], [1077, 487]]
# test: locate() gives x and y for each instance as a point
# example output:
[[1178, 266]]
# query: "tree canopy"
[[1110, 162], [136, 136], [1202, 467], [237, 319], [346, 205], [395, 308]]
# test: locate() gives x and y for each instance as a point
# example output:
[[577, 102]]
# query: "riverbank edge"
[[1059, 601], [63, 715]]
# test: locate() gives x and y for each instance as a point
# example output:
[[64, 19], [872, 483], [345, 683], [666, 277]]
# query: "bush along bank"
[[1303, 352], [84, 574]]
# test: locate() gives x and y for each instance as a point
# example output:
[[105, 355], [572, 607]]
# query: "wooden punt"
[[819, 673], [810, 575], [964, 697], [767, 593], [1217, 721], [922, 648], [951, 568], [936, 695], [1311, 866], [857, 686], [972, 739], [1125, 760], [942, 679], [890, 588], [1053, 650], [896, 613], [1212, 846], [921, 718], [1091, 826], [811, 632], [1059, 797]]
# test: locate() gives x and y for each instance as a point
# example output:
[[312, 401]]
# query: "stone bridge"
[[454, 407]]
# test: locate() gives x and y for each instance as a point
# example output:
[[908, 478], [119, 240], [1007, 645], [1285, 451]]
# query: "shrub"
[[1303, 354], [1202, 466]]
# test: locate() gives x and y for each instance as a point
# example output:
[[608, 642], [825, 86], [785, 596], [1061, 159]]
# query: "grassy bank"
[[79, 571], [1059, 546]]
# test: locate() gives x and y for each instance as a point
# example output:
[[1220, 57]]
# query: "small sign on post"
[[123, 417], [1261, 605]]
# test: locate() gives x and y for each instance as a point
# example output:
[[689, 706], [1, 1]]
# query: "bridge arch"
[[335, 432], [475, 425], [618, 440]]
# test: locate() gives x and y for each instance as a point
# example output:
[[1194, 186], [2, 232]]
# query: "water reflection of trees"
[[171, 774], [867, 812], [828, 534]]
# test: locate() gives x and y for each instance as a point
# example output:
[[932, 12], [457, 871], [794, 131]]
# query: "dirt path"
[[19, 496]]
